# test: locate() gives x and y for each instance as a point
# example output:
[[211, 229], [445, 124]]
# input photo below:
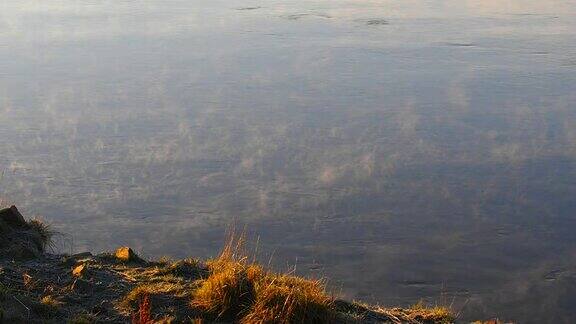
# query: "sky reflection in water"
[[404, 149]]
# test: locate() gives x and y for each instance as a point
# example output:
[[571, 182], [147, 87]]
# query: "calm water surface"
[[404, 149]]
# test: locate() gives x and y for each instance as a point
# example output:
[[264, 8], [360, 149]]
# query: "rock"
[[12, 216], [80, 270], [126, 254], [20, 240]]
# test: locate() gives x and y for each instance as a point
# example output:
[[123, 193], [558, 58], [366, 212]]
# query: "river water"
[[406, 150]]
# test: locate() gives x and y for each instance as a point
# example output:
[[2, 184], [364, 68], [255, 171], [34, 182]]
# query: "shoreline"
[[121, 287]]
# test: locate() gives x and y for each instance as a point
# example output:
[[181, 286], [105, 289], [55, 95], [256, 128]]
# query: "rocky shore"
[[121, 287]]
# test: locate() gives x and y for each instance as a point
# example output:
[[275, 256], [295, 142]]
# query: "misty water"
[[406, 150]]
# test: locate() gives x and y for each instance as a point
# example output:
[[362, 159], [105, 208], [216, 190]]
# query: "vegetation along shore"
[[120, 287]]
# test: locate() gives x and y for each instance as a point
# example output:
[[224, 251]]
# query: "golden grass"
[[418, 313], [228, 292], [152, 288], [428, 314], [243, 291], [228, 288], [288, 299]]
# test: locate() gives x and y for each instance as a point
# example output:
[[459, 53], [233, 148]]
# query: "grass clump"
[[288, 299], [243, 291], [427, 314], [153, 288], [229, 291], [418, 313]]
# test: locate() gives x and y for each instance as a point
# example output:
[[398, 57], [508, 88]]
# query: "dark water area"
[[407, 150]]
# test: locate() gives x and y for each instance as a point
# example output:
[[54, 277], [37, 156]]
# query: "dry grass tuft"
[[239, 290], [153, 288], [229, 291], [288, 299], [418, 314], [427, 314]]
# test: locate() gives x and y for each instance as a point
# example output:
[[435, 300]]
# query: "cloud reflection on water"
[[441, 144]]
